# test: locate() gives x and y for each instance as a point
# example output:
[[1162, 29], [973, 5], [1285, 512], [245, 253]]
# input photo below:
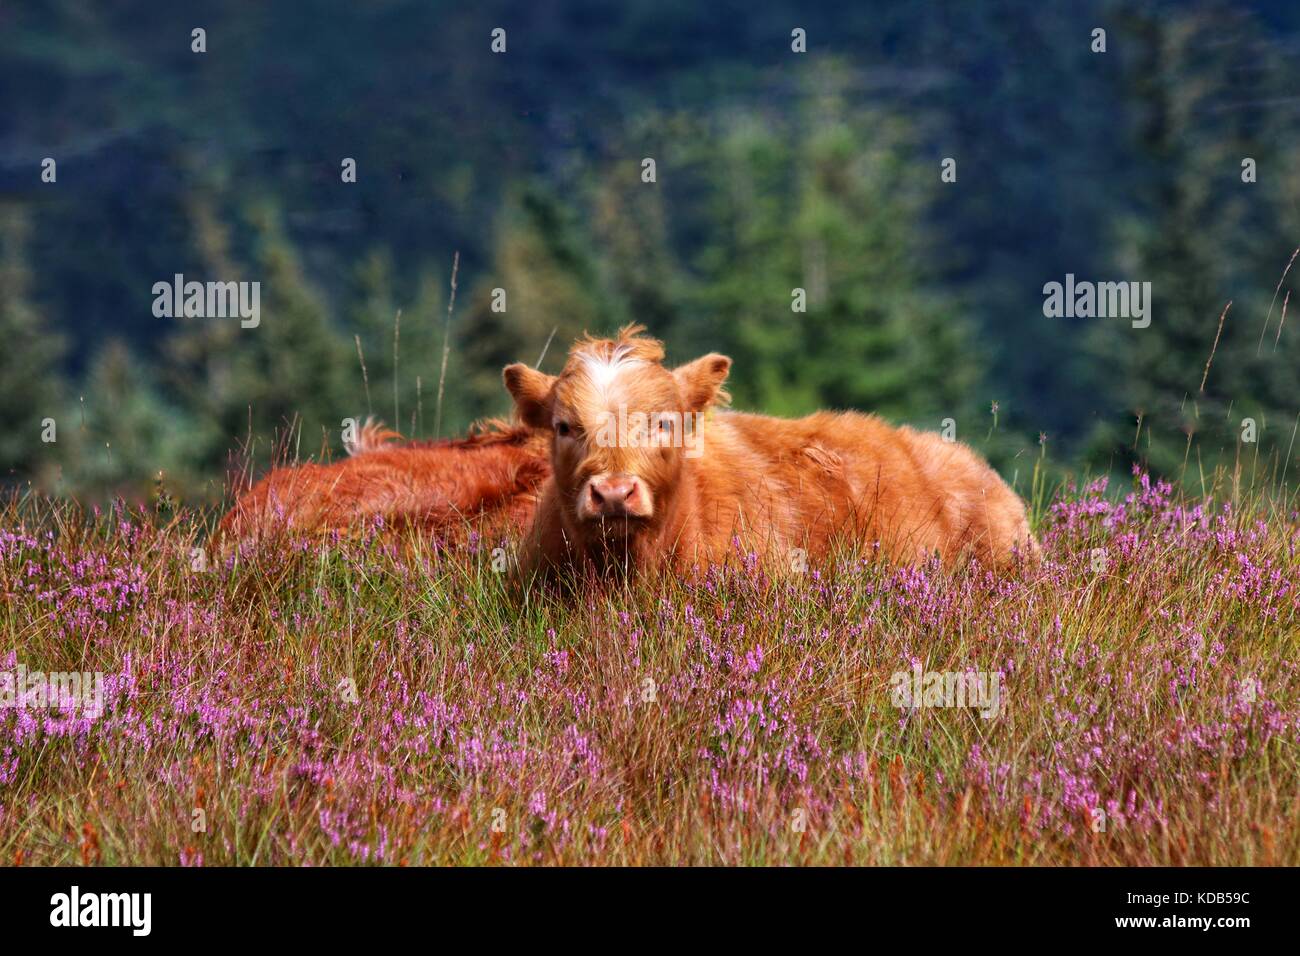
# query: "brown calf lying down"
[[648, 473], [487, 482]]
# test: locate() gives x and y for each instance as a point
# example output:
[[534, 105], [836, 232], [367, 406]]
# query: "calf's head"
[[622, 427]]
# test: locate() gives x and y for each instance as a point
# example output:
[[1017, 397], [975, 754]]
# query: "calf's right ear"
[[531, 391]]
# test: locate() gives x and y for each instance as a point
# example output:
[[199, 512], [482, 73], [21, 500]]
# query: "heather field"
[[379, 700]]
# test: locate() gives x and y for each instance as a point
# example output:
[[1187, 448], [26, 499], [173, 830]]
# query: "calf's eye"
[[562, 429]]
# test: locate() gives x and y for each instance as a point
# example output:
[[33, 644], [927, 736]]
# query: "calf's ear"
[[531, 391], [701, 381]]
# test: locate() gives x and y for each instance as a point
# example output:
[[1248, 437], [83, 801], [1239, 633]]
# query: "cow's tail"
[[371, 437]]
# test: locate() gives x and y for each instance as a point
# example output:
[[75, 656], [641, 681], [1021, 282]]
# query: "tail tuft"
[[372, 436]]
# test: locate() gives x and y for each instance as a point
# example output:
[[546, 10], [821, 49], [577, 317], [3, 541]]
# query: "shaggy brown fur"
[[770, 485], [486, 482]]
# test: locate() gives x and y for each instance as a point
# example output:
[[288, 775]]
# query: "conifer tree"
[[542, 286], [129, 436], [33, 387], [828, 216], [1205, 237]]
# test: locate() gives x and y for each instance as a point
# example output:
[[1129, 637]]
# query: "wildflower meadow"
[[380, 698]]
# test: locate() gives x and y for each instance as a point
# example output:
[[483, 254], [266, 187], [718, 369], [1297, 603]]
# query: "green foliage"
[[776, 171], [1202, 238], [128, 439], [31, 385], [287, 377], [294, 366], [829, 210], [401, 347], [638, 261], [545, 265]]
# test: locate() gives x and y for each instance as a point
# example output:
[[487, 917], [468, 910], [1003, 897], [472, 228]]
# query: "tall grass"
[[1149, 711]]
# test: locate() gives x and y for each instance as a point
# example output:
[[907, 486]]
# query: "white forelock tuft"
[[604, 369]]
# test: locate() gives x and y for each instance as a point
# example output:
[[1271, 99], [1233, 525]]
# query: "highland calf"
[[487, 482], [627, 493]]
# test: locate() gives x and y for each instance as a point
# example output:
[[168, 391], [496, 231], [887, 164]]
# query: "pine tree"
[[293, 367], [546, 271], [401, 345], [827, 214], [199, 353], [630, 227], [1206, 238], [130, 436], [289, 379], [32, 387]]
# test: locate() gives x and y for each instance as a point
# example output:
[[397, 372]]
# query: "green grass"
[[642, 724]]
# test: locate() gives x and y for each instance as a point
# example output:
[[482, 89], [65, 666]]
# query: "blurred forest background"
[[774, 170]]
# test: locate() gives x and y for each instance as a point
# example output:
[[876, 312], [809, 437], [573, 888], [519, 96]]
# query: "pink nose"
[[612, 496]]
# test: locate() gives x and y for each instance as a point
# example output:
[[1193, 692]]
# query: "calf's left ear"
[[701, 381], [531, 391]]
